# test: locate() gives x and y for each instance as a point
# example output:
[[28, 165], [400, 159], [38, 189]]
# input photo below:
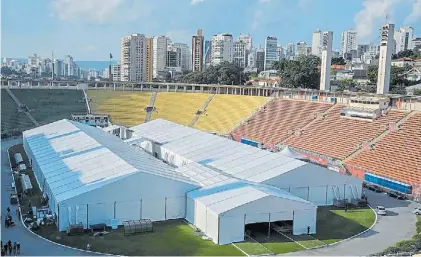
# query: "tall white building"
[[133, 58], [159, 54], [348, 42], [222, 48], [240, 54], [316, 44], [185, 59], [247, 39], [301, 49], [326, 48], [404, 39], [271, 44], [385, 58], [116, 71], [251, 59]]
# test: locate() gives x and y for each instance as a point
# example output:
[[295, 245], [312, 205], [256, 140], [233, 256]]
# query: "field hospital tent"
[[179, 145], [224, 205], [91, 176]]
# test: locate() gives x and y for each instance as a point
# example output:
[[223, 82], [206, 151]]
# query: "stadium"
[[224, 157]]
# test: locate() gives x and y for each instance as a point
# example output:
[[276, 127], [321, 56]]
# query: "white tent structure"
[[225, 205], [287, 151], [179, 145], [91, 176]]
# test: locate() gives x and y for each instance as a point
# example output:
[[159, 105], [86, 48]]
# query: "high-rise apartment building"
[[185, 59], [385, 58], [133, 58], [247, 39], [116, 71], [69, 64], [197, 51], [58, 67], [173, 56], [316, 44], [348, 42], [159, 54], [260, 59], [240, 54], [301, 49], [290, 51], [271, 44], [326, 47], [222, 49], [280, 54], [404, 39], [251, 59]]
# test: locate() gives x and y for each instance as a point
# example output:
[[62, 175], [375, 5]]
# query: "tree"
[[417, 92], [372, 74], [338, 61], [226, 73], [6, 71], [347, 84], [301, 73]]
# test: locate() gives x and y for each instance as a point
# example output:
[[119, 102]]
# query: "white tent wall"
[[35, 167], [318, 189], [134, 197], [229, 226], [231, 230], [304, 219]]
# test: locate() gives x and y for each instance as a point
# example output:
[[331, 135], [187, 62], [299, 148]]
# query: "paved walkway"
[[30, 243], [399, 224]]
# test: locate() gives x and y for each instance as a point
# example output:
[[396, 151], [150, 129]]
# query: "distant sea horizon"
[[97, 65]]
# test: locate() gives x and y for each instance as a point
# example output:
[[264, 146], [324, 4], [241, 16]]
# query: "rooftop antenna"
[[387, 11]]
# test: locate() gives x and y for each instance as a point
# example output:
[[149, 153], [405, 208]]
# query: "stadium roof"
[[76, 158], [224, 155], [234, 193]]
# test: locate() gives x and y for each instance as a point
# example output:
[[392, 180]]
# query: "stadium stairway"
[[381, 136], [18, 103], [87, 100], [202, 110], [269, 100], [150, 107]]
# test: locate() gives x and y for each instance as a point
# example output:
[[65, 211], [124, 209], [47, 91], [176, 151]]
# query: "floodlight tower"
[[326, 60], [385, 58]]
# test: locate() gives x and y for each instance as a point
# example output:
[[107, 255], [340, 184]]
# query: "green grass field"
[[170, 238]]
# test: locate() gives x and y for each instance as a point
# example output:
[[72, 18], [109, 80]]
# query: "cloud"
[[372, 16], [257, 18], [415, 14], [179, 36], [264, 1], [100, 11], [193, 2]]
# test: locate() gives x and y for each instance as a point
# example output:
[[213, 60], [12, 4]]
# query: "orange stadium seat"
[[397, 156], [339, 137], [279, 119]]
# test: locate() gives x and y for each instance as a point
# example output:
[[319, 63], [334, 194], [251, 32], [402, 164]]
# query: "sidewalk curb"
[[45, 239], [352, 237]]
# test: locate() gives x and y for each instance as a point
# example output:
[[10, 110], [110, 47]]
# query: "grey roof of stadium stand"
[[224, 155], [76, 158]]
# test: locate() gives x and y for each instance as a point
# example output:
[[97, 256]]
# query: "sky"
[[90, 30]]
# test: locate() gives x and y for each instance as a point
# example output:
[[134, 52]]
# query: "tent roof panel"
[[77, 158]]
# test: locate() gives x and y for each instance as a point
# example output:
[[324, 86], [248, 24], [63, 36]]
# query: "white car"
[[417, 211], [381, 210]]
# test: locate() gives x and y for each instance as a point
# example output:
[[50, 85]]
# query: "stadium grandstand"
[[26, 108], [326, 127], [13, 119]]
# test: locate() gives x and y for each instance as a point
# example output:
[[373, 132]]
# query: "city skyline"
[[60, 25]]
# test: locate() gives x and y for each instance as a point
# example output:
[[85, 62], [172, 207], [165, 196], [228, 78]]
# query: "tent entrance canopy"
[[287, 151], [223, 210]]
